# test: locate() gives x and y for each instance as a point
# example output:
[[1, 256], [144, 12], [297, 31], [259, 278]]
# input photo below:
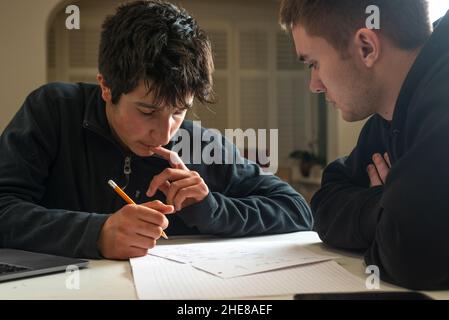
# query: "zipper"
[[127, 166], [127, 170]]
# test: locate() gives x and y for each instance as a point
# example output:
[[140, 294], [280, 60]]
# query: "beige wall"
[[342, 136], [23, 26]]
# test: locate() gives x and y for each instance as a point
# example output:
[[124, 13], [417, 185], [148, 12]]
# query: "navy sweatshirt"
[[403, 226], [58, 153]]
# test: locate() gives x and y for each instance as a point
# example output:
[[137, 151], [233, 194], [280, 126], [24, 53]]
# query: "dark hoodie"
[[57, 155], [402, 226]]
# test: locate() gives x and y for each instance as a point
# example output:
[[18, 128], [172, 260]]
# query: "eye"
[[146, 113], [311, 65], [179, 113]]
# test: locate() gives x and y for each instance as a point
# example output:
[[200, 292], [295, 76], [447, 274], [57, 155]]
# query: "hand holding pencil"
[[133, 229], [128, 200]]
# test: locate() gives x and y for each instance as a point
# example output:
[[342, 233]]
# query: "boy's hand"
[[181, 186], [378, 172], [133, 229]]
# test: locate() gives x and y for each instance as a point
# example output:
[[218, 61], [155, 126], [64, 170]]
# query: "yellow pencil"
[[128, 200]]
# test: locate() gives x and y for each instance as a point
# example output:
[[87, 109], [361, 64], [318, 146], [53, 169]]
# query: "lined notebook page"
[[158, 278]]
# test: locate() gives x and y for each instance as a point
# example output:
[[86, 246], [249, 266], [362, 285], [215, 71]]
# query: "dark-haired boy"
[[68, 140]]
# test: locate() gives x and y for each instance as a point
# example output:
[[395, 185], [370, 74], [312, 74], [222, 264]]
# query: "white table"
[[113, 280]]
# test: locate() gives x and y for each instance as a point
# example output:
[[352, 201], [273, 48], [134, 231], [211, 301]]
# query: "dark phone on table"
[[375, 295]]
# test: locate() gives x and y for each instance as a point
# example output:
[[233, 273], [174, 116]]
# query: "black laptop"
[[15, 264]]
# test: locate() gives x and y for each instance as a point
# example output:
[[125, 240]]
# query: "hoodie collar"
[[433, 50], [95, 112]]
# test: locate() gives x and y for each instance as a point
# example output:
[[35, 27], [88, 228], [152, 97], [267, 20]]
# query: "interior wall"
[[341, 136], [23, 25]]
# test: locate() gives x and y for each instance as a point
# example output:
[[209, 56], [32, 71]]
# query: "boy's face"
[[138, 124], [345, 81]]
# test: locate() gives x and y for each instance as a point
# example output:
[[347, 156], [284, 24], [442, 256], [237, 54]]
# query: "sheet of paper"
[[234, 259], [158, 278]]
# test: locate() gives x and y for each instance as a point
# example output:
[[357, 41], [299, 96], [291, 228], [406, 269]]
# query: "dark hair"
[[404, 22], [162, 45]]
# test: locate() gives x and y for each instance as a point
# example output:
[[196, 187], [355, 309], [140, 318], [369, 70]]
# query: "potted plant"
[[307, 160]]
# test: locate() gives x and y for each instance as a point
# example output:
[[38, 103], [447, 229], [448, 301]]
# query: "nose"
[[161, 135], [316, 86]]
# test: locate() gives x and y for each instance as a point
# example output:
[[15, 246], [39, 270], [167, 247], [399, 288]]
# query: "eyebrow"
[[154, 107], [146, 105], [303, 57]]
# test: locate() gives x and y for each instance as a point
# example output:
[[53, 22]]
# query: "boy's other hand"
[[181, 186]]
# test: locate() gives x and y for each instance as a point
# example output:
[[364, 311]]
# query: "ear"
[[105, 91], [368, 46]]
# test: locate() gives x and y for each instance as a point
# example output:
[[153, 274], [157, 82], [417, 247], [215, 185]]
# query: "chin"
[[349, 117], [142, 151]]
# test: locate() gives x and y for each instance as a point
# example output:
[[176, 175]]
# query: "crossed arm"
[[378, 171]]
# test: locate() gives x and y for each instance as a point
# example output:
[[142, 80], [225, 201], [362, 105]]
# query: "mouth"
[[147, 146]]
